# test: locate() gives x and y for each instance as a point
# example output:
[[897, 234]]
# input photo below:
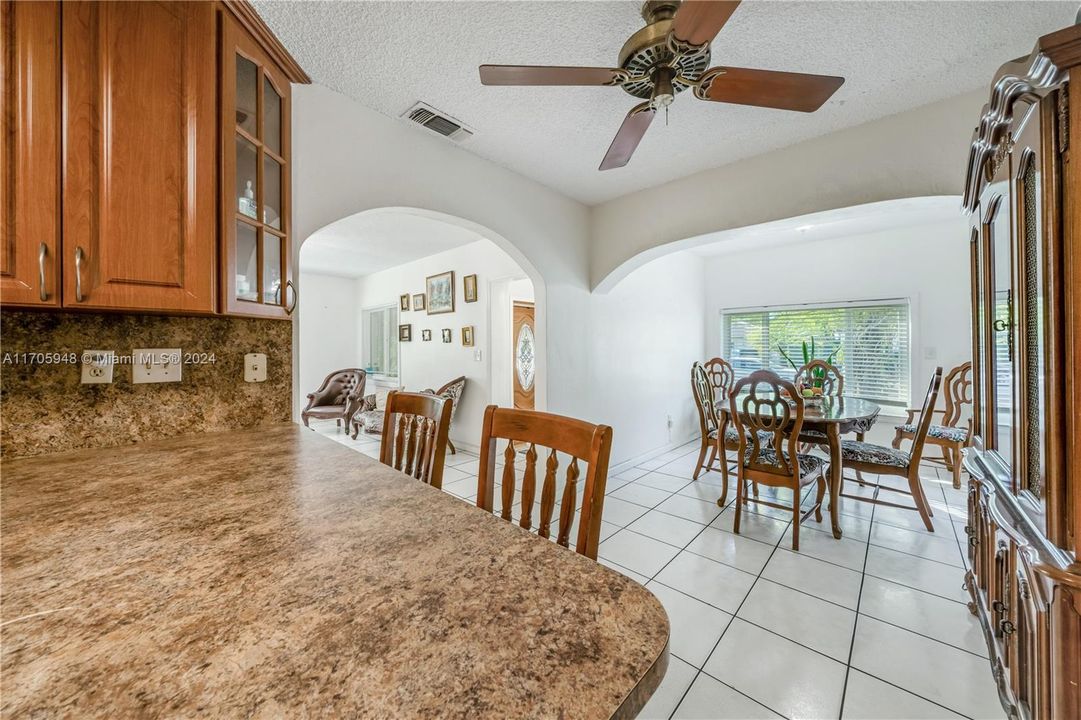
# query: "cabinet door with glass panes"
[[256, 249]]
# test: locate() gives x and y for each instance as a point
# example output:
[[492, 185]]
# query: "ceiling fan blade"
[[771, 89], [630, 134], [547, 75], [697, 22]]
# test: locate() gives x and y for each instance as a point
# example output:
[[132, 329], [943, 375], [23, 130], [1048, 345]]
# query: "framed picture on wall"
[[405, 333], [440, 291], [403, 302], [418, 301], [448, 335], [470, 288], [426, 335], [467, 336]]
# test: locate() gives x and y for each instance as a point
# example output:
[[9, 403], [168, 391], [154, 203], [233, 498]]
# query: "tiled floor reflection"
[[871, 626]]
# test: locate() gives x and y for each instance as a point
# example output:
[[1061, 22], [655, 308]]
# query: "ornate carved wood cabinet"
[[1023, 194]]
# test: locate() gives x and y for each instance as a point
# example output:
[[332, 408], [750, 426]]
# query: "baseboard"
[[634, 461]]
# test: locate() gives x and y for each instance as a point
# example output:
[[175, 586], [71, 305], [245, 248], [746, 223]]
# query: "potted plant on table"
[[812, 392]]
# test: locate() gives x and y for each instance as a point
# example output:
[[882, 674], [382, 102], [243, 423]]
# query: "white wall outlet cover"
[[255, 367], [155, 365], [97, 366], [478, 355]]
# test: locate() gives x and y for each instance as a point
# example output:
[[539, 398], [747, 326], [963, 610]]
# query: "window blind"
[[871, 341]]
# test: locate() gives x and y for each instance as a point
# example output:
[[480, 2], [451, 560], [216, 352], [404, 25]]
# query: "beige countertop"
[[274, 573]]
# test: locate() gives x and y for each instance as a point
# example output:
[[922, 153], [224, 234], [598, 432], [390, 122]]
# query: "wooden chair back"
[[704, 399], [833, 381], [758, 404], [721, 377], [958, 383], [583, 441], [925, 419], [415, 427]]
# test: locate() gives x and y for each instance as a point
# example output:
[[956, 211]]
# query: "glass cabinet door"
[[1001, 375], [255, 114]]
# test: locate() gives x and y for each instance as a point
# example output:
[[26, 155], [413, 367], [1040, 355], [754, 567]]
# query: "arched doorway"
[[364, 288]]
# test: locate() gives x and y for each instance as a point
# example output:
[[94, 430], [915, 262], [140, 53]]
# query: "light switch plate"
[[97, 366], [155, 365], [478, 356], [255, 367]]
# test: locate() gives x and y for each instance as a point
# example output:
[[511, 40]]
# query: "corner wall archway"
[[345, 231], [856, 219]]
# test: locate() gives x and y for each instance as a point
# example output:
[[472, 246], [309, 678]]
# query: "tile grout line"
[[859, 600], [700, 670]]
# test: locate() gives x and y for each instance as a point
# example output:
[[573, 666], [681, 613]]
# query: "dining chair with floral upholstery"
[[453, 392], [767, 413], [954, 432], [882, 460], [704, 402]]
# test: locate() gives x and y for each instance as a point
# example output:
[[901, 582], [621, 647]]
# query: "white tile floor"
[[871, 626]]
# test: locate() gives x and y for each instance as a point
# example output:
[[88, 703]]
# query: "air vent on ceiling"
[[437, 121]]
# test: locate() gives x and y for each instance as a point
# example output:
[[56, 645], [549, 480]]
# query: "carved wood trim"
[[250, 20], [1042, 70]]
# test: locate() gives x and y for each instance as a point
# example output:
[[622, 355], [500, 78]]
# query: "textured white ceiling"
[[894, 56], [368, 242], [831, 224]]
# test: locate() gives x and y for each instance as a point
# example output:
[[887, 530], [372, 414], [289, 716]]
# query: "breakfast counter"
[[275, 573]]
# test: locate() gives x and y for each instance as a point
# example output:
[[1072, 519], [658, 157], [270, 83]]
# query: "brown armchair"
[[338, 398]]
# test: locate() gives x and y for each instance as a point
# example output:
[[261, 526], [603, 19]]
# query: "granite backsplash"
[[44, 408]]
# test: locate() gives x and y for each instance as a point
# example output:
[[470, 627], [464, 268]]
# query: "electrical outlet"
[[155, 365], [477, 355], [97, 366], [255, 367]]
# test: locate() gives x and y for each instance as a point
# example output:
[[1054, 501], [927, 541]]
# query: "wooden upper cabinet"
[[139, 165], [29, 153], [255, 197]]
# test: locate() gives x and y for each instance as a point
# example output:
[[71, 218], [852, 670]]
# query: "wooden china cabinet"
[[146, 156], [1023, 194]]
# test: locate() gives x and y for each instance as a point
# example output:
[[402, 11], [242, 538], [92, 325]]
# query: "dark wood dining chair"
[[580, 440], [954, 432], [871, 458], [708, 424], [832, 381], [819, 373], [721, 377], [759, 411], [415, 427]]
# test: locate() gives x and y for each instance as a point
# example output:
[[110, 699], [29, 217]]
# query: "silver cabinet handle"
[[78, 274], [42, 252], [296, 296]]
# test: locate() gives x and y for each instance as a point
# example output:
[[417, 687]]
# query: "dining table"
[[831, 416], [274, 572]]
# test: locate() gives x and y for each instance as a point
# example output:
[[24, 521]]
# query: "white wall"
[[926, 263], [430, 364], [647, 332], [348, 158], [918, 153], [503, 294], [328, 336]]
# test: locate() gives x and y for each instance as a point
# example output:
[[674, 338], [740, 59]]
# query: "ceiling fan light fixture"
[[663, 93]]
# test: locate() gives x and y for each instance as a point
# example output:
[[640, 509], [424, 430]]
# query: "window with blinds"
[[869, 342]]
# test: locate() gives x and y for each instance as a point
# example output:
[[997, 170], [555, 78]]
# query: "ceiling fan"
[[669, 55]]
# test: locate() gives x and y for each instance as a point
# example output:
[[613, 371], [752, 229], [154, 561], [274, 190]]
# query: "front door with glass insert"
[[525, 354]]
